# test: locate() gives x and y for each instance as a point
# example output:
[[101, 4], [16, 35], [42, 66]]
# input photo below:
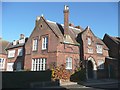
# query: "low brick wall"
[[23, 79]]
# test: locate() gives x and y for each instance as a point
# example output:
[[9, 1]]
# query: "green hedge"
[[23, 79]]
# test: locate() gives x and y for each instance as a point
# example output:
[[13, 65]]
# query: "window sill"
[[34, 50], [10, 57], [69, 68]]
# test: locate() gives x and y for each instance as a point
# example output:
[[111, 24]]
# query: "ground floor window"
[[38, 64], [2, 64], [10, 66], [100, 64], [69, 63]]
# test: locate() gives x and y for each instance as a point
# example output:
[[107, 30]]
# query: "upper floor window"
[[20, 52], [99, 49], [11, 53], [69, 63], [35, 44], [2, 63], [90, 50], [100, 64], [44, 43], [89, 41]]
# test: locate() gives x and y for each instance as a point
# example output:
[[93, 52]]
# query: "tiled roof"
[[116, 39], [59, 30], [10, 46], [3, 45]]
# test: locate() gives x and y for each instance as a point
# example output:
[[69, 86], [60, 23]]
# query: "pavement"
[[99, 82]]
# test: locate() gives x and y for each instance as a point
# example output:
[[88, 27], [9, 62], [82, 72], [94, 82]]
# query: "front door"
[[18, 66], [90, 70]]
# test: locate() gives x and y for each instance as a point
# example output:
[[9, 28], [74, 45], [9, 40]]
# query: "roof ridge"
[[63, 25]]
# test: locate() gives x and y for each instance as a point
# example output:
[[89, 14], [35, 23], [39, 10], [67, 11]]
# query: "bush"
[[60, 73]]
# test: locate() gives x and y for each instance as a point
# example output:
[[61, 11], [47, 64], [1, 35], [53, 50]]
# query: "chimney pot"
[[66, 7], [38, 18]]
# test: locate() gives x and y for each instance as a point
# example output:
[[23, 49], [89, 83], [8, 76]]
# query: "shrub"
[[60, 73]]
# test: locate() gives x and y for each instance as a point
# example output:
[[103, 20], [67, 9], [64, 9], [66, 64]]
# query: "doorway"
[[90, 70]]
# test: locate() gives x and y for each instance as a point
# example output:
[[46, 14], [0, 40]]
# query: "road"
[[75, 87], [95, 87]]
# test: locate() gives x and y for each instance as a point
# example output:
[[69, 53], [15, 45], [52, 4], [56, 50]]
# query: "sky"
[[19, 17]]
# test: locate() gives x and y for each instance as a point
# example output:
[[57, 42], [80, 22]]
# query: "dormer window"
[[44, 42], [14, 42], [99, 49]]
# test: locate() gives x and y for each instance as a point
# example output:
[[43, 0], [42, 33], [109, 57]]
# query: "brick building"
[[114, 55], [3, 54], [52, 43], [16, 53], [92, 53]]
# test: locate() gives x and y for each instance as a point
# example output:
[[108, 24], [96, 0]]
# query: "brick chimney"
[[66, 20], [22, 36]]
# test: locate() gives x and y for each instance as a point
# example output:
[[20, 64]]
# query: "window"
[[10, 66], [44, 43], [99, 49], [35, 45], [38, 64], [89, 41], [20, 52], [2, 63], [69, 63], [11, 53], [100, 64], [90, 50]]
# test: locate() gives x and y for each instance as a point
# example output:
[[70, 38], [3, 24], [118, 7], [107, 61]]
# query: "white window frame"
[[10, 66], [20, 51], [2, 63], [38, 64], [44, 42], [69, 63], [11, 53], [89, 41], [99, 49], [100, 64], [35, 45], [90, 50]]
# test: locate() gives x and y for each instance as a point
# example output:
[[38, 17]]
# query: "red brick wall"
[[56, 51]]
